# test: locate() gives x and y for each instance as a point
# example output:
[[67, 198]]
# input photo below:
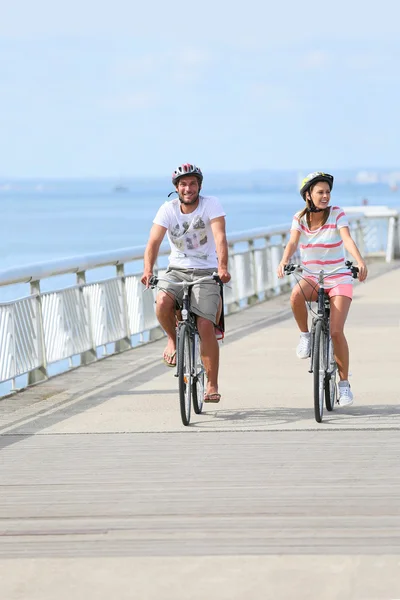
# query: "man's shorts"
[[205, 297]]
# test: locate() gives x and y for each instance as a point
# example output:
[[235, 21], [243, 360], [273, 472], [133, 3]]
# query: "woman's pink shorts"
[[344, 289]]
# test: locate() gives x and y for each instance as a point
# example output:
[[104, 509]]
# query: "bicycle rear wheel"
[[330, 377], [319, 372], [198, 377], [184, 371]]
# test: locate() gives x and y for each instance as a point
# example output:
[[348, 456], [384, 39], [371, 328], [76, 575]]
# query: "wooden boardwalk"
[[105, 493]]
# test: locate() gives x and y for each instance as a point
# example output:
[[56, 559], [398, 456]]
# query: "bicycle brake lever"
[[153, 281]]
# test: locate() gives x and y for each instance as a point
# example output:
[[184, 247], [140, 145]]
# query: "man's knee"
[[165, 303], [205, 326]]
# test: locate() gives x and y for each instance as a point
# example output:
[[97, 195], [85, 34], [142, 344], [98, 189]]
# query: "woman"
[[324, 234]]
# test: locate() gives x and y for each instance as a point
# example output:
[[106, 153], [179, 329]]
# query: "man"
[[195, 226]]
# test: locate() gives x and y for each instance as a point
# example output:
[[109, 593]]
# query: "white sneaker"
[[304, 348], [345, 394]]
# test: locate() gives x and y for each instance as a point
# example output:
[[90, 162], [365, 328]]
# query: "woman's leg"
[[305, 290], [339, 310]]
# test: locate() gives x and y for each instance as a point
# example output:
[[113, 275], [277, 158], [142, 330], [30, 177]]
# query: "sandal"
[[168, 359], [215, 397]]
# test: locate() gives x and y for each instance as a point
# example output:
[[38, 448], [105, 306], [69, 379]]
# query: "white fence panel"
[[106, 311], [262, 271], [19, 345], [244, 271], [65, 324], [134, 292]]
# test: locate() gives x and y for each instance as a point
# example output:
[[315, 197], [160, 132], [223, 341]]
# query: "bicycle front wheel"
[[330, 377], [198, 379], [319, 372], [184, 372]]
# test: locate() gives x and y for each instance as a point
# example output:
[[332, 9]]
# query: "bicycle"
[[189, 366], [323, 364]]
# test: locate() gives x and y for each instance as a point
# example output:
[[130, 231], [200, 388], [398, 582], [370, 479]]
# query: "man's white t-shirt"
[[190, 235]]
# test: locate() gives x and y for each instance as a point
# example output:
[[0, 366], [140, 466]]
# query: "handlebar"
[[291, 268], [153, 281]]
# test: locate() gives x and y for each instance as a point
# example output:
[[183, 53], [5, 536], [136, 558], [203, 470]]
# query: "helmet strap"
[[312, 208]]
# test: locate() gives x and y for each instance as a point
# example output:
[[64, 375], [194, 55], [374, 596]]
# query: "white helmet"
[[187, 169]]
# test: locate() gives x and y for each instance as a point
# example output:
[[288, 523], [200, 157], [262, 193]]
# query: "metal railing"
[[85, 321]]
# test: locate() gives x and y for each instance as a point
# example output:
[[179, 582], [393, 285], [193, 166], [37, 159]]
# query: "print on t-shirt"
[[193, 234]]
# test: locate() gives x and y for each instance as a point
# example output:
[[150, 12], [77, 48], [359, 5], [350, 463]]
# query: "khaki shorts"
[[204, 298]]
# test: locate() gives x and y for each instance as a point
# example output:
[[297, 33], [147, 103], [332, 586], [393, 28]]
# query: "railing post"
[[268, 252], [125, 342], [396, 249], [393, 242], [253, 299], [40, 373], [90, 355]]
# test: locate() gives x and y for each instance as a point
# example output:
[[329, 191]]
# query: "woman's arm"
[[351, 247], [290, 249]]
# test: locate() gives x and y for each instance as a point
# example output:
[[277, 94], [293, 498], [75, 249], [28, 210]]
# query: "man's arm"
[[221, 244], [157, 234]]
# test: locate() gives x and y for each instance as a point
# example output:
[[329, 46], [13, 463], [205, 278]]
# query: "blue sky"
[[122, 88]]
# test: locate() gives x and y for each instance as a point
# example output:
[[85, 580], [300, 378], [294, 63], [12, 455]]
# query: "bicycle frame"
[[323, 314]]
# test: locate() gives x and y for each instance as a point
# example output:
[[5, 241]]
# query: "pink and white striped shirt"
[[323, 248]]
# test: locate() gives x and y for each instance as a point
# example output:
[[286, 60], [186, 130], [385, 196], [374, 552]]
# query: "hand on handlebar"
[[281, 269], [363, 271], [224, 276], [146, 278]]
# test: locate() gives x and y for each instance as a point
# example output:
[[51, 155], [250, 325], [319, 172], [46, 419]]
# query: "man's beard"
[[181, 199]]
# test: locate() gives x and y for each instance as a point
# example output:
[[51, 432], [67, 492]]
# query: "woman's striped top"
[[323, 248]]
